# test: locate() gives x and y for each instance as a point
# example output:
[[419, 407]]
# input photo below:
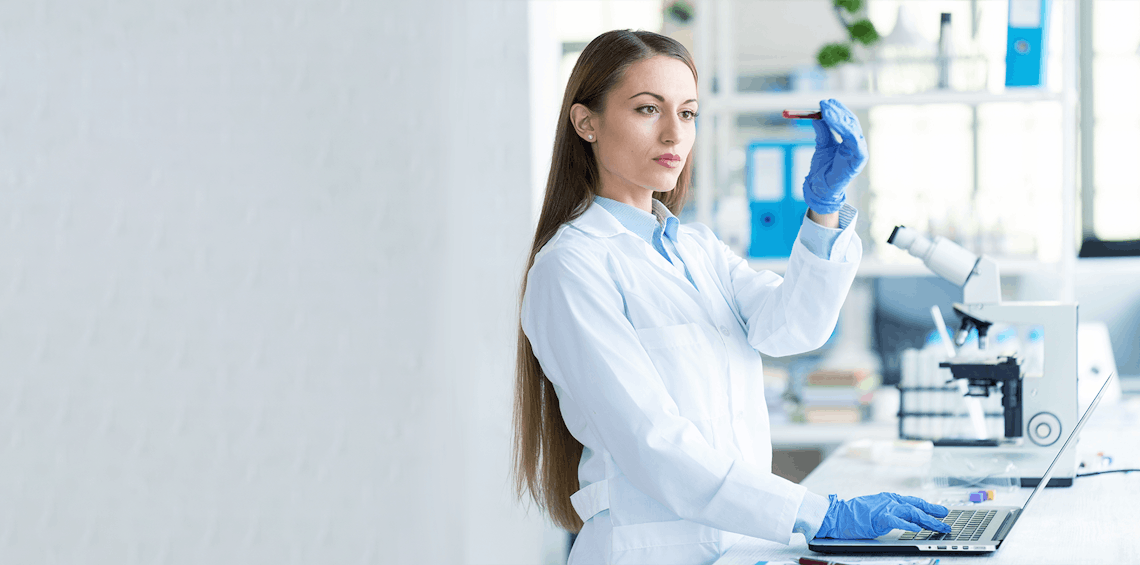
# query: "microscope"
[[1038, 408]]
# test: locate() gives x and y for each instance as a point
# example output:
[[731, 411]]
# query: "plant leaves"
[[833, 54], [864, 32]]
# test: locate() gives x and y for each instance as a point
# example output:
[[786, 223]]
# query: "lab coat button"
[[724, 330]]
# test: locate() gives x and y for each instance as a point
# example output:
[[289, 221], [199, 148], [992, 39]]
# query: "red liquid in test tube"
[[803, 114]]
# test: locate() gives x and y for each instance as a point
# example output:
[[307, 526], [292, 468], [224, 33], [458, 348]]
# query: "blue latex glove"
[[868, 517], [834, 165]]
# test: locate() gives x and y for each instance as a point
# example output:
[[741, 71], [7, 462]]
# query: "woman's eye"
[[685, 114]]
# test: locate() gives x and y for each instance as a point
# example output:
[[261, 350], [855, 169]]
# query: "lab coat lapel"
[[699, 267], [672, 271], [598, 222]]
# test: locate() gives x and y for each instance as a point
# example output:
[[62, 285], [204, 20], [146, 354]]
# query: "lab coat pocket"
[[679, 542], [690, 368]]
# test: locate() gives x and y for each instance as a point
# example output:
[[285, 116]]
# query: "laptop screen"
[[1072, 436]]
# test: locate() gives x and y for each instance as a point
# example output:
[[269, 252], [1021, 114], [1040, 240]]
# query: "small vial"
[[803, 114]]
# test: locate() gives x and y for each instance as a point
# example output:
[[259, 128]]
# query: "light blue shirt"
[[658, 229]]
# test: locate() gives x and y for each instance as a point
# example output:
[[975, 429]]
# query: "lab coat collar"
[[643, 224], [598, 222]]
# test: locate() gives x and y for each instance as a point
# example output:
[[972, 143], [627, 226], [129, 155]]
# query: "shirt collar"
[[666, 218], [636, 220], [643, 224]]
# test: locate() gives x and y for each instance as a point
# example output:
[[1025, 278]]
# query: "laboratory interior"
[[1001, 137], [262, 267]]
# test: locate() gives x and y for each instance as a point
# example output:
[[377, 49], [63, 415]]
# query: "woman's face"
[[643, 137]]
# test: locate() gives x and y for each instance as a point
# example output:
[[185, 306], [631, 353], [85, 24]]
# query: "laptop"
[[973, 530]]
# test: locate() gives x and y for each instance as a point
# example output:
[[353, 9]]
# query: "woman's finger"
[[823, 137], [841, 120], [899, 524], [932, 509], [916, 515]]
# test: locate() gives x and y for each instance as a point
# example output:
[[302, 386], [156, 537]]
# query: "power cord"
[[1111, 471]]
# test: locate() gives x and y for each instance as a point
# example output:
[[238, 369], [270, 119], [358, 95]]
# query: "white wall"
[[258, 266]]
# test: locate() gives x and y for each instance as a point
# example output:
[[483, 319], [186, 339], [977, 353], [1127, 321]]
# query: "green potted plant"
[[860, 30]]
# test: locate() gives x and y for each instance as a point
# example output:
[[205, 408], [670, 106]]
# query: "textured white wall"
[[258, 265]]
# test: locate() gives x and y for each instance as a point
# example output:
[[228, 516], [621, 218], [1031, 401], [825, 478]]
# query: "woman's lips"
[[668, 163]]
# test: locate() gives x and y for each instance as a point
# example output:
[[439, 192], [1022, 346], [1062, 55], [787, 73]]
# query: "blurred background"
[[260, 261]]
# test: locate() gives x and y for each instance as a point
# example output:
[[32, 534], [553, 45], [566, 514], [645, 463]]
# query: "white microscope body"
[[1048, 401]]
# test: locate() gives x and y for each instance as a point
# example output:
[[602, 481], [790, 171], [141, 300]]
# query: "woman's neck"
[[626, 192]]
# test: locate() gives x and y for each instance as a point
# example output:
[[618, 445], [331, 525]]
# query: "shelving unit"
[[713, 32], [775, 102]]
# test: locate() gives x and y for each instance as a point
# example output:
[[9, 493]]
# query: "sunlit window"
[[1116, 76], [922, 173]]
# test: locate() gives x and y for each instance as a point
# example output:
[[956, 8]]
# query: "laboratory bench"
[[829, 436], [797, 449], [1097, 520]]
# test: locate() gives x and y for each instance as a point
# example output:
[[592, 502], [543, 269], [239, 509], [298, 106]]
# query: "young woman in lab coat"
[[640, 419]]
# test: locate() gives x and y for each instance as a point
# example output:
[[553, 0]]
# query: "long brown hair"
[[546, 456]]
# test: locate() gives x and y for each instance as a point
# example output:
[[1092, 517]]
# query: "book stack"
[[838, 397]]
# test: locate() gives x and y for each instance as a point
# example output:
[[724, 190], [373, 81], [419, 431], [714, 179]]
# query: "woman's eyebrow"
[[659, 97]]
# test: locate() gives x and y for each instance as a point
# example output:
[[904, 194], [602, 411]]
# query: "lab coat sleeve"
[[573, 315], [795, 313]]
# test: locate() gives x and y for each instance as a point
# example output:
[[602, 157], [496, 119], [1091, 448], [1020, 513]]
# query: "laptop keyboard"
[[965, 525]]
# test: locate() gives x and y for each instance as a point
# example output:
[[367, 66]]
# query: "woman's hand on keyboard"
[[871, 516]]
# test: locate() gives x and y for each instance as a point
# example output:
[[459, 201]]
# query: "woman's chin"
[[656, 189], [660, 185]]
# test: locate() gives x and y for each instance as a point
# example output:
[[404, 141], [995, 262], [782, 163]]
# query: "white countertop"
[[1097, 520]]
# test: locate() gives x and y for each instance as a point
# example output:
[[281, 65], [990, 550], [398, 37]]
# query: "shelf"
[[778, 101], [875, 268]]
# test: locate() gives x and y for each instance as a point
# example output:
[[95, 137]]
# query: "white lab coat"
[[662, 382]]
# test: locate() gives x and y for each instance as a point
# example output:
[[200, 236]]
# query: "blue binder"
[[1026, 42], [774, 176]]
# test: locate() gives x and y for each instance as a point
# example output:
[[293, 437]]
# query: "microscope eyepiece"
[[946, 258], [893, 233]]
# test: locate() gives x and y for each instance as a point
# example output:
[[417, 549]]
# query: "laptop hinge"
[[1006, 525]]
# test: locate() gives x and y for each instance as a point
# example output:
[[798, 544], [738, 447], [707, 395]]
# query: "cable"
[[1112, 471]]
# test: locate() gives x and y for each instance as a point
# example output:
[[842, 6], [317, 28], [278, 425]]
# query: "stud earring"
[[589, 137]]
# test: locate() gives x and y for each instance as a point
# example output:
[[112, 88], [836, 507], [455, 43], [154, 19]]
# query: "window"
[[1116, 82]]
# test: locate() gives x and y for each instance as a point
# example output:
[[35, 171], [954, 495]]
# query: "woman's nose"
[[671, 130]]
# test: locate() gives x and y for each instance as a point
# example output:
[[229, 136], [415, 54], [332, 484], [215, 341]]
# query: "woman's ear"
[[582, 120]]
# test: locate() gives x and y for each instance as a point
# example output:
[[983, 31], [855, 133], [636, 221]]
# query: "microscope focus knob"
[[1044, 428]]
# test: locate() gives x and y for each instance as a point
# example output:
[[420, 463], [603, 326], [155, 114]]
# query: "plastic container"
[[948, 470], [995, 483]]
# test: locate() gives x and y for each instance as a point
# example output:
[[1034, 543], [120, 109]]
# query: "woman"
[[639, 414]]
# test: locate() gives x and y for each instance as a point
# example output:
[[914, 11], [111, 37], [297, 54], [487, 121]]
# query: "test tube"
[[803, 114]]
